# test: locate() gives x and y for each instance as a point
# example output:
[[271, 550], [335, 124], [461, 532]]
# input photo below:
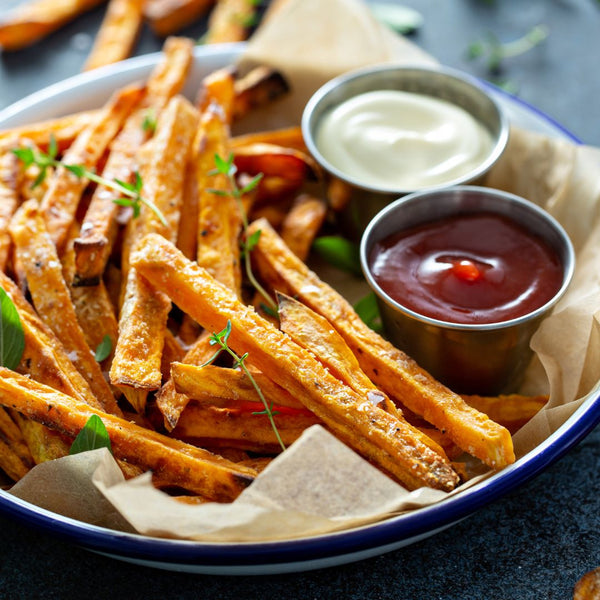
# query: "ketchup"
[[468, 269]]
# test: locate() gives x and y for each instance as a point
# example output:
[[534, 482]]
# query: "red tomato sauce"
[[476, 268]]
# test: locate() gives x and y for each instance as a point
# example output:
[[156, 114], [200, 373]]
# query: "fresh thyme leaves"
[[91, 437], [132, 192], [495, 51], [339, 252], [149, 122], [104, 349], [221, 339], [12, 338], [227, 168]]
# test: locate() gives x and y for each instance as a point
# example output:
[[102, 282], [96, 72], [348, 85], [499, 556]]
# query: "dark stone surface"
[[534, 543]]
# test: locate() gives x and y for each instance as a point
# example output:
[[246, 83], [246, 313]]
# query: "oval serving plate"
[[89, 90]]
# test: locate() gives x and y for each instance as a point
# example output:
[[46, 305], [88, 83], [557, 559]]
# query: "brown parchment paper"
[[319, 485]]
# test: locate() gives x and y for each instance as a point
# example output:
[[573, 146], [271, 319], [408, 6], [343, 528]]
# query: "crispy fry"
[[228, 388], [170, 16], [43, 443], [15, 458], [219, 218], [31, 22], [302, 223], [389, 368], [339, 194], [290, 137], [351, 416], [51, 297], [172, 352], [9, 200], [136, 366], [117, 35], [99, 228], [63, 129], [243, 426], [260, 86], [60, 202], [512, 410], [45, 358], [171, 403], [173, 461], [230, 21], [218, 87]]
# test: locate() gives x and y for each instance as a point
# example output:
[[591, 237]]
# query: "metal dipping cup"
[[486, 359], [367, 200]]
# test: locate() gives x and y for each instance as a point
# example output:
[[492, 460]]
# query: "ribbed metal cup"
[[468, 358]]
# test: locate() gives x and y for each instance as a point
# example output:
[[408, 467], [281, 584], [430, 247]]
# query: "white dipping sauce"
[[400, 140]]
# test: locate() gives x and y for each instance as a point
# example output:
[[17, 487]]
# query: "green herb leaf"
[[149, 122], [52, 147], [368, 310], [78, 170], [253, 183], [91, 437], [339, 252], [252, 241], [400, 18], [12, 338], [25, 155], [104, 349]]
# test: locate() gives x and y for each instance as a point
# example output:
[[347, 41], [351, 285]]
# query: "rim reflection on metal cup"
[[438, 82], [488, 358]]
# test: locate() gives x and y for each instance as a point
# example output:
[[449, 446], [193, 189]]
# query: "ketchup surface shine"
[[468, 269]]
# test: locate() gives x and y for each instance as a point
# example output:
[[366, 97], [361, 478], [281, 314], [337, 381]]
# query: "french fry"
[[351, 416], [218, 87], [244, 427], [60, 202], [117, 35], [44, 358], [43, 443], [63, 129], [170, 402], [228, 388], [389, 368], [172, 461], [9, 200], [136, 366], [511, 410], [99, 227], [31, 22], [172, 352], [166, 17], [302, 223], [230, 21], [259, 87], [15, 458], [37, 255], [290, 137]]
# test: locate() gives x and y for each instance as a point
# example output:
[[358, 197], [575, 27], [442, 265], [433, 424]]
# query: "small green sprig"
[[91, 437], [132, 192], [104, 349], [494, 51], [228, 168], [221, 340]]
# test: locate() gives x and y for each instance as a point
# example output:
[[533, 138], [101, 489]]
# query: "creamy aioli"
[[400, 140]]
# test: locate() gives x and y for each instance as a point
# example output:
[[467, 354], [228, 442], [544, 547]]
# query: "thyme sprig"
[[221, 339], [132, 192], [228, 168]]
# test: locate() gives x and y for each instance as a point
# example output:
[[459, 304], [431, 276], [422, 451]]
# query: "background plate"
[[90, 90]]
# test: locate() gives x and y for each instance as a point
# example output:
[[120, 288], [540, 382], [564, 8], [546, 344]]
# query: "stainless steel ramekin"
[[468, 358]]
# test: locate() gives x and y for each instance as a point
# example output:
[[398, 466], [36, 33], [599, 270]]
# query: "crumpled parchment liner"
[[318, 484]]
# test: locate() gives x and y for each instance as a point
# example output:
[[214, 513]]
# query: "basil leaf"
[[91, 437], [339, 252], [368, 310], [12, 338], [104, 349]]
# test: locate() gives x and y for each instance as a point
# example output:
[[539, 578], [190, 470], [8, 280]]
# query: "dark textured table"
[[532, 544]]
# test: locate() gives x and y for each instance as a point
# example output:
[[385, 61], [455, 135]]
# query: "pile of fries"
[[163, 280], [228, 21]]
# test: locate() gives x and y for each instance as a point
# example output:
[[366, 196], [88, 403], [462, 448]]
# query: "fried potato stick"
[[389, 368], [302, 223], [63, 129], [99, 227], [33, 21], [290, 137], [15, 458], [117, 35], [230, 21], [218, 88], [136, 366], [259, 87], [166, 17], [43, 443], [9, 200], [348, 414], [51, 298], [60, 202], [171, 460]]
